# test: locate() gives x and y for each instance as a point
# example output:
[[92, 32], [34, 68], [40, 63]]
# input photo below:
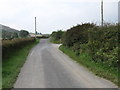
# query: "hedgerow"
[[56, 36], [101, 43], [9, 46]]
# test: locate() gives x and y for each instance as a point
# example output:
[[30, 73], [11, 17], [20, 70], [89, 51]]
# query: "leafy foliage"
[[23, 33], [15, 35], [77, 34], [56, 36], [101, 43]]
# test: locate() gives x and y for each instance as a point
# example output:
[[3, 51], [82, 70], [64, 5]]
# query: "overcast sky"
[[54, 14]]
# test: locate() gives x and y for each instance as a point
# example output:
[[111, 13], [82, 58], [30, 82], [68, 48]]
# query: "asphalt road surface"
[[47, 67]]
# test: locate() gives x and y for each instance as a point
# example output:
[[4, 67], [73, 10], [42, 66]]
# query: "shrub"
[[57, 36], [101, 43], [23, 33], [77, 34]]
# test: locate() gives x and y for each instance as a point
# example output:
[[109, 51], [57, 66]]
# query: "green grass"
[[54, 41], [11, 67], [98, 69]]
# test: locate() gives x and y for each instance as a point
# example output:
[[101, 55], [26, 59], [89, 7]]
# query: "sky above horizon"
[[53, 15]]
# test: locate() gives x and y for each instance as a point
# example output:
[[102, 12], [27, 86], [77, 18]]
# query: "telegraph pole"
[[102, 13], [119, 12], [35, 27]]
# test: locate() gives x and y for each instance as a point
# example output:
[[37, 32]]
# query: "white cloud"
[[54, 14]]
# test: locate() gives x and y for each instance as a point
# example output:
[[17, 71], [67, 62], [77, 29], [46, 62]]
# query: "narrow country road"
[[47, 67]]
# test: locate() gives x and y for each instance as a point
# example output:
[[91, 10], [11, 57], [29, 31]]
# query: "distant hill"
[[7, 32], [8, 29]]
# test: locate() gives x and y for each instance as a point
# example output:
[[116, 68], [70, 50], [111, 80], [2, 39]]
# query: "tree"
[[23, 33], [56, 36], [15, 35]]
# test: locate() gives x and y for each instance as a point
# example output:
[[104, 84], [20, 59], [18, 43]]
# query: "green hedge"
[[56, 36], [9, 46], [101, 43]]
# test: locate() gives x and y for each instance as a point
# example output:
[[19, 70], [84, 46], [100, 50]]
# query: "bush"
[[23, 33], [56, 36], [77, 34], [101, 43]]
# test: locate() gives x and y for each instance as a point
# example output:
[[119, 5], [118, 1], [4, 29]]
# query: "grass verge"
[[98, 69], [11, 67], [55, 42]]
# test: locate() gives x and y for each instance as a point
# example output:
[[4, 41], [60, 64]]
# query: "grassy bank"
[[55, 42], [11, 66], [100, 69]]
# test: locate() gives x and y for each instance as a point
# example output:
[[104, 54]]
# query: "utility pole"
[[119, 12], [102, 13], [35, 27]]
